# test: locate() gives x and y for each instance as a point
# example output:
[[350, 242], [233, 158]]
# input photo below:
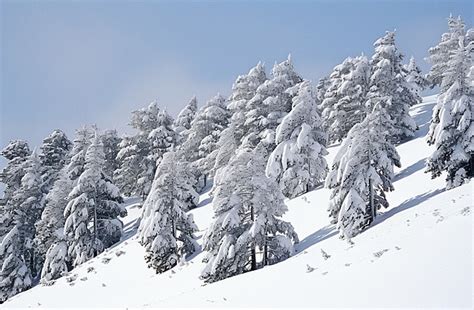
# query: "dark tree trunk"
[[254, 255]]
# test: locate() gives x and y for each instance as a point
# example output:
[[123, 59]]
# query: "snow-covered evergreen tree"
[[186, 117], [81, 142], [28, 205], [201, 143], [389, 88], [440, 54], [110, 141], [248, 207], [244, 89], [137, 166], [163, 138], [49, 229], [214, 118], [225, 148], [93, 207], [129, 159], [166, 231], [415, 79], [344, 100], [53, 156], [16, 153], [270, 104], [14, 274], [452, 124], [361, 173], [297, 163], [55, 265]]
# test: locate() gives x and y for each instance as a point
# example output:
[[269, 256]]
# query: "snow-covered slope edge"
[[418, 254]]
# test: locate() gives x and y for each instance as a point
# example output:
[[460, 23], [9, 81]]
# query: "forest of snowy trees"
[[266, 142]]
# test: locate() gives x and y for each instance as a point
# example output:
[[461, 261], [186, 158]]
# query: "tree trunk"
[[253, 255], [372, 205], [205, 180]]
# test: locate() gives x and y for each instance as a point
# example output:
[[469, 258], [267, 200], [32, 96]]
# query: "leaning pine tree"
[[362, 172], [248, 207], [297, 163], [166, 231], [452, 124]]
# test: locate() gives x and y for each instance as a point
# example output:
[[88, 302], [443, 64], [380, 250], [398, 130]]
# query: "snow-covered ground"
[[417, 254]]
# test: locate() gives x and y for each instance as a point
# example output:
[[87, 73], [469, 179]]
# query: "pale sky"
[[69, 63]]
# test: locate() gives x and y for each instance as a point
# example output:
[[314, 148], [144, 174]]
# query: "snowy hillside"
[[417, 254]]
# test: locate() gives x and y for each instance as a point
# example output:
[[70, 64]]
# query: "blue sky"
[[68, 63]]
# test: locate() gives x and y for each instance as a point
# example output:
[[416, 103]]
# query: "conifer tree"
[[389, 88], [244, 89], [76, 162], [440, 54], [129, 160], [297, 163], [27, 207], [49, 229], [53, 155], [111, 142], [415, 79], [344, 100], [163, 138], [186, 117], [55, 265], [248, 207], [93, 207], [361, 174], [137, 164], [14, 274], [270, 104], [166, 231], [452, 124], [16, 153]]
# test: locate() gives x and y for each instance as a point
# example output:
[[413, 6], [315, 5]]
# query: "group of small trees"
[[60, 207]]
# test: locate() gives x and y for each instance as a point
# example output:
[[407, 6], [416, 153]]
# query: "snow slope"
[[417, 254]]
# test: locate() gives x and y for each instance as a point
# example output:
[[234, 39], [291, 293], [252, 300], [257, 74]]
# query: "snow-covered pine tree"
[[55, 264], [137, 167], [166, 231], [28, 205], [186, 117], [297, 163], [110, 141], [452, 124], [389, 88], [215, 118], [129, 159], [225, 148], [270, 104], [361, 174], [163, 138], [14, 274], [440, 54], [16, 153], [343, 104], [93, 207], [81, 142], [244, 89], [53, 155], [49, 229], [248, 207], [414, 77]]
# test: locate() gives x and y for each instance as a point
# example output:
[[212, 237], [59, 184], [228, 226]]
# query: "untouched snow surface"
[[417, 254]]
